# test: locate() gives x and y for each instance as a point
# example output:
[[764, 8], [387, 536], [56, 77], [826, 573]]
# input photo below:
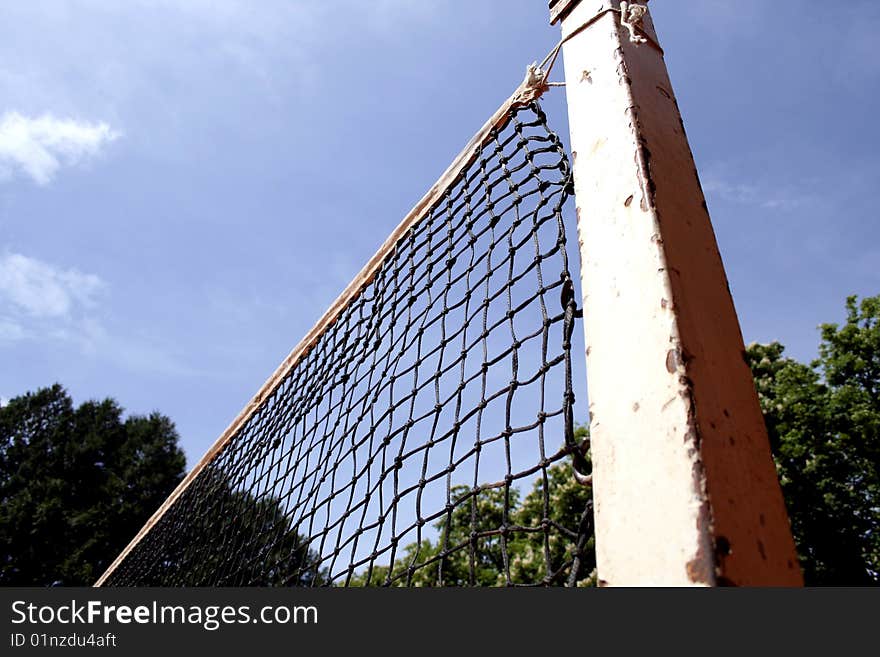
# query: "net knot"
[[533, 85]]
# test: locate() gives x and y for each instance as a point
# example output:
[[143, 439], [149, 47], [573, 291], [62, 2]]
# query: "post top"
[[559, 9]]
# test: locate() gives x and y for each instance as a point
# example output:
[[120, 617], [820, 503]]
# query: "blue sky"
[[185, 186]]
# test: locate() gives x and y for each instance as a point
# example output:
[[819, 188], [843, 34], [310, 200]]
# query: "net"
[[426, 437]]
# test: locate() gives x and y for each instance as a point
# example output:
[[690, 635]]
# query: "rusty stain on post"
[[685, 488]]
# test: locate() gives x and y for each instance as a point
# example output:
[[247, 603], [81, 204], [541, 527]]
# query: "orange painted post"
[[685, 488]]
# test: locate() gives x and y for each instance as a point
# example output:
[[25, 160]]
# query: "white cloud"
[[40, 302], [11, 331], [160, 57], [40, 146], [750, 194], [39, 290], [731, 192], [131, 352]]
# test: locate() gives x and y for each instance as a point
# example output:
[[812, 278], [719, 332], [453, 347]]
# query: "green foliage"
[[484, 513], [824, 426], [76, 484], [569, 510], [526, 550], [236, 540]]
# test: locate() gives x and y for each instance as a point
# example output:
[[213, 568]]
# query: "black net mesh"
[[427, 438]]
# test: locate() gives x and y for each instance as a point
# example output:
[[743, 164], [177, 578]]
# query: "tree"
[[569, 548], [823, 420], [533, 555], [76, 484], [235, 539], [447, 560], [824, 427]]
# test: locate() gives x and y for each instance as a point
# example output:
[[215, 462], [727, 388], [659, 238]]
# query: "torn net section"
[[427, 437]]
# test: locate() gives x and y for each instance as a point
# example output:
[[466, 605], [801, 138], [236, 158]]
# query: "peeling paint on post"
[[685, 488]]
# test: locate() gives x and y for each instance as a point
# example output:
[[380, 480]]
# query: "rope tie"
[[632, 16]]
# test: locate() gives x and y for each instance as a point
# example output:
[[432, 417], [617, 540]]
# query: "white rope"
[[631, 16]]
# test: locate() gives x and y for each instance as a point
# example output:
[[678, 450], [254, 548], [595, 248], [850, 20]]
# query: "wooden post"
[[685, 488]]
